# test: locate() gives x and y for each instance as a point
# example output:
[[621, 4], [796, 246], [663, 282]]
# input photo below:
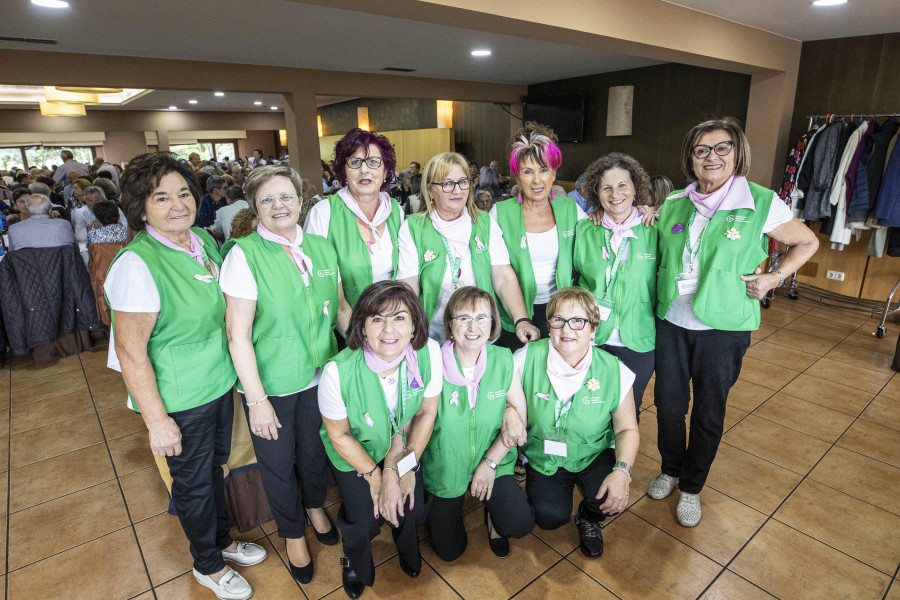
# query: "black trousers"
[[297, 449], [509, 340], [198, 484], [358, 525], [711, 359], [551, 495], [641, 363], [511, 516]]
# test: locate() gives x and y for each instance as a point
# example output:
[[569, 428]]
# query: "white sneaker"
[[661, 486], [230, 587], [688, 510], [247, 554]]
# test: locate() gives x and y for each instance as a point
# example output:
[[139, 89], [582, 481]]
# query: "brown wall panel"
[[122, 146], [481, 132], [385, 114]]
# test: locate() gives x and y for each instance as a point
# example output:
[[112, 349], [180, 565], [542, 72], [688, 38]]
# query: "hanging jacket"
[[823, 167], [887, 206]]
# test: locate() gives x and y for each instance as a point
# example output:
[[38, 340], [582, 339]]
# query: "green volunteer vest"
[[461, 435], [223, 251], [364, 398], [721, 301], [433, 257], [354, 257], [187, 347], [633, 288], [587, 428], [293, 329], [512, 222]]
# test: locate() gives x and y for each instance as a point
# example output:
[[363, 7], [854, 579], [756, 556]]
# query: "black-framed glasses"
[[448, 186], [373, 162], [575, 323], [464, 320], [721, 149]]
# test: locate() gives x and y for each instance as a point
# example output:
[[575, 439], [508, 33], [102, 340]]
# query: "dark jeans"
[[298, 448], [641, 363], [198, 485], [509, 340], [551, 495], [358, 525], [711, 359], [511, 516]]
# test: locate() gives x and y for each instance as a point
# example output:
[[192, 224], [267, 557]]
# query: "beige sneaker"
[[661, 486], [688, 510]]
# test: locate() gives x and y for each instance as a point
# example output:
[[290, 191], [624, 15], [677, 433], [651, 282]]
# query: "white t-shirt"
[[318, 220], [332, 405], [129, 287], [626, 375], [681, 312], [458, 237]]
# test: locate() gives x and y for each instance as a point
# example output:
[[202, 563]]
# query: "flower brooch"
[[733, 234], [592, 384], [429, 256]]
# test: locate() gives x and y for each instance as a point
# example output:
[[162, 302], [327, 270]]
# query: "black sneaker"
[[590, 535]]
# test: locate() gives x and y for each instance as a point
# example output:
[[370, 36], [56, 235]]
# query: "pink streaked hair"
[[541, 148]]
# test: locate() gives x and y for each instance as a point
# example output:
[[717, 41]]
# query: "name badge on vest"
[[553, 448], [688, 285], [605, 307]]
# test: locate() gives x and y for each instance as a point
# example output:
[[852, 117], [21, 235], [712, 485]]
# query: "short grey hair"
[[40, 209], [95, 189], [579, 183], [39, 188], [215, 182]]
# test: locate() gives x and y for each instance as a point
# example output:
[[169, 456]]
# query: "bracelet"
[[375, 468], [623, 466], [390, 469], [526, 319], [258, 401], [780, 278]]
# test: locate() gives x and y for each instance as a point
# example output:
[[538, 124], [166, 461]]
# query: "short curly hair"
[[242, 223], [360, 138], [617, 160]]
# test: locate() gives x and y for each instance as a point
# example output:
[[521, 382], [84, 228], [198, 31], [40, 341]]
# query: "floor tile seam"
[[283, 560], [23, 403], [866, 455], [727, 570], [815, 437], [119, 482], [870, 420], [863, 500], [850, 342], [800, 473], [817, 356], [682, 542], [824, 543], [441, 577], [532, 581], [47, 424], [794, 396], [600, 583], [19, 380], [888, 590], [55, 455], [57, 553], [738, 500], [20, 510]]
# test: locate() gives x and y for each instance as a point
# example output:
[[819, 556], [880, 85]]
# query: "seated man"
[[39, 231]]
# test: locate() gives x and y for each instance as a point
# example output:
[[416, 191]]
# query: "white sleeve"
[[779, 214], [217, 224], [434, 387], [235, 278], [80, 227], [519, 358], [626, 380], [130, 287], [318, 218], [493, 213], [123, 220], [331, 404], [499, 253], [408, 264], [581, 213]]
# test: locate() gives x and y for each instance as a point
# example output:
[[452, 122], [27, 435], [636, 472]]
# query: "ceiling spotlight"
[[219, 94], [257, 103], [192, 102], [50, 3], [828, 2], [481, 52], [274, 107], [173, 108]]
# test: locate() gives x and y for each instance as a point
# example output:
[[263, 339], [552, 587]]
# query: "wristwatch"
[[624, 467], [489, 462]]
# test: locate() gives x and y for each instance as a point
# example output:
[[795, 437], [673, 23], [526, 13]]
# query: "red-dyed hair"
[[359, 138]]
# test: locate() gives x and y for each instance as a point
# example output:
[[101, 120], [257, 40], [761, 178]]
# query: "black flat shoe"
[[302, 574], [408, 569], [330, 537], [499, 546], [590, 535], [353, 587]]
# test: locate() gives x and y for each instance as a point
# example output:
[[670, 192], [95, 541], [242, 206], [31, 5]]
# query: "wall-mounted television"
[[564, 114]]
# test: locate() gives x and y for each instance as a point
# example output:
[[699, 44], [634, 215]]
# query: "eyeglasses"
[[575, 323], [466, 319], [373, 162], [270, 200], [702, 150], [448, 186]]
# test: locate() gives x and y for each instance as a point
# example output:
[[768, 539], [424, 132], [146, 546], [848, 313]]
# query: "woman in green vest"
[[482, 391], [169, 341], [538, 227], [449, 244], [617, 262], [581, 423], [712, 237], [284, 299], [378, 400], [361, 220]]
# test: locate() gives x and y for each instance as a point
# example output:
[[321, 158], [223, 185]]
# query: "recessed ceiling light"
[[50, 3], [828, 2], [274, 107], [219, 94], [257, 102], [481, 52], [192, 102], [173, 108]]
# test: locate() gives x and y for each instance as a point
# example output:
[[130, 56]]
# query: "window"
[[11, 158], [213, 149], [46, 156], [225, 149]]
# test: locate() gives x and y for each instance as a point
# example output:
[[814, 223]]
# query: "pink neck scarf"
[[381, 213], [196, 251], [379, 365], [294, 246], [565, 378], [623, 230], [453, 375], [734, 193]]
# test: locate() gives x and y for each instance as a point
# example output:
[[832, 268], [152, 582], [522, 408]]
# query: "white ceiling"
[[799, 20]]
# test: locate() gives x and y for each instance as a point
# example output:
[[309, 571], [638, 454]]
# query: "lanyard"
[[401, 405], [612, 268], [694, 251], [454, 262], [561, 411]]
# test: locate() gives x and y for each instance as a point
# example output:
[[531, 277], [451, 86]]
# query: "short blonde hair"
[[261, 175], [579, 295], [435, 170], [729, 125]]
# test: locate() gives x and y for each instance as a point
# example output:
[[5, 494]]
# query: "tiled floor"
[[803, 500]]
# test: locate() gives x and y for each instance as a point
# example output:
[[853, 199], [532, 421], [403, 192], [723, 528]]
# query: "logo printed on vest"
[[542, 396], [593, 400], [737, 218], [325, 272], [644, 256], [497, 394], [479, 247], [568, 233], [412, 392], [204, 278]]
